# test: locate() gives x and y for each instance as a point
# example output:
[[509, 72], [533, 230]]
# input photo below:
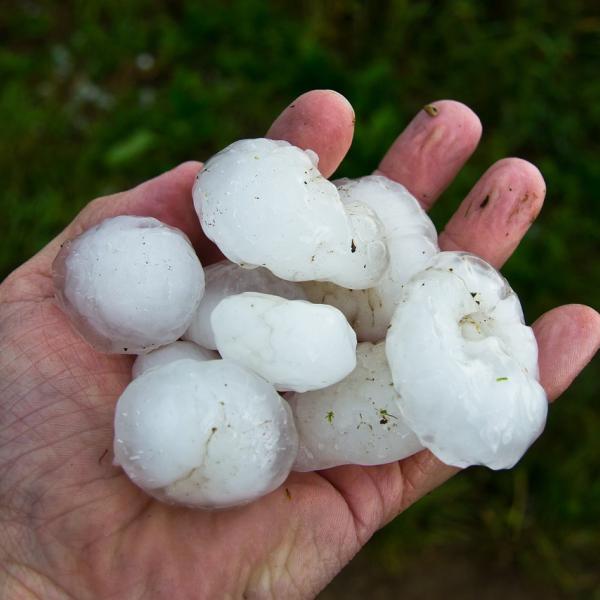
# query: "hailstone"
[[411, 240], [355, 421], [129, 284], [293, 344], [225, 279], [204, 434], [264, 203], [168, 354], [465, 364]]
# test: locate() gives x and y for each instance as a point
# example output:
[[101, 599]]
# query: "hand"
[[72, 525]]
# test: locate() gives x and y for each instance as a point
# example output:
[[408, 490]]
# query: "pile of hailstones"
[[443, 361]]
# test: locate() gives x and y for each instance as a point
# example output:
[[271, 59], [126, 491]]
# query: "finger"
[[568, 338], [320, 120], [428, 154], [497, 212]]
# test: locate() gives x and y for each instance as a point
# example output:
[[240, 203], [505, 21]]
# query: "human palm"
[[73, 525]]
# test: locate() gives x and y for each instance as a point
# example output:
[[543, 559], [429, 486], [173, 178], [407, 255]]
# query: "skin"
[[73, 526]]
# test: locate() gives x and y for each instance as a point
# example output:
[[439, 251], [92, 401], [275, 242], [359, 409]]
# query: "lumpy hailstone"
[[226, 279], [204, 434], [264, 203], [355, 421], [465, 364], [293, 344], [168, 354], [411, 239], [129, 284]]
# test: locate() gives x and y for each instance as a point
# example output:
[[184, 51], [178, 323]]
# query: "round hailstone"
[[204, 434], [465, 365], [264, 203], [225, 279], [168, 354], [411, 240], [355, 421], [293, 344], [129, 284]]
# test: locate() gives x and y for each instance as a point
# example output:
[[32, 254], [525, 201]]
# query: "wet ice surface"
[[204, 434], [264, 203], [294, 344], [465, 365], [129, 284], [226, 279], [411, 240], [170, 353], [355, 421]]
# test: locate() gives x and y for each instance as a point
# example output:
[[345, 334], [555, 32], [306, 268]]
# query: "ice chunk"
[[205, 434], [465, 365], [129, 284], [264, 203], [294, 344], [355, 421]]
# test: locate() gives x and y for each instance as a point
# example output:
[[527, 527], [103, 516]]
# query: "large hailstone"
[[411, 239], [168, 354], [264, 203], [204, 434], [465, 364], [129, 284], [293, 344], [355, 421], [225, 279]]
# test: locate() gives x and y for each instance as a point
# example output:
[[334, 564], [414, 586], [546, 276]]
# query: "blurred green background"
[[96, 96]]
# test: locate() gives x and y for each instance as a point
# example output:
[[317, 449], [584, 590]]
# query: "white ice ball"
[[225, 279], [465, 364], [355, 421], [411, 240], [129, 284], [168, 354], [204, 434], [264, 203], [294, 344]]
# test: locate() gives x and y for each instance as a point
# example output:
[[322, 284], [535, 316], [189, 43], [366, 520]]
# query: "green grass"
[[97, 96]]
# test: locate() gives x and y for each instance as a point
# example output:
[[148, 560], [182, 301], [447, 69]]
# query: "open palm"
[[72, 525]]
